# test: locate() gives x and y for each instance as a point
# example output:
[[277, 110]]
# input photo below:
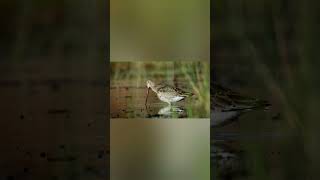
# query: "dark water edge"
[[271, 144], [269, 50], [259, 144], [54, 122]]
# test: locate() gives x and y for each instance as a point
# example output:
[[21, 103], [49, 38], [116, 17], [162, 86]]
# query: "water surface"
[[130, 102]]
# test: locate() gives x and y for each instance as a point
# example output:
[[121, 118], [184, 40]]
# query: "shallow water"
[[130, 102]]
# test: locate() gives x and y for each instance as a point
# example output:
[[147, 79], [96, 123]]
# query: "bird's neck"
[[153, 88]]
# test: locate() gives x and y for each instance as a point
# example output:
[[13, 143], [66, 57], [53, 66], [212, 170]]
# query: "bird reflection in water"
[[168, 112], [171, 110], [226, 161]]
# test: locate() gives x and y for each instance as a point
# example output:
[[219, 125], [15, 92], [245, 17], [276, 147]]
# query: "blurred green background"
[[171, 149], [268, 49], [168, 30]]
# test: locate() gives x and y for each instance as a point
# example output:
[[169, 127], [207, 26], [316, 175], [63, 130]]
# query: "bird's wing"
[[229, 100], [174, 91], [168, 89]]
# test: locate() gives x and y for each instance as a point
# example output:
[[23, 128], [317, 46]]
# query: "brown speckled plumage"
[[167, 93]]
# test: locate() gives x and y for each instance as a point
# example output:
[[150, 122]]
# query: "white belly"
[[178, 98], [169, 100]]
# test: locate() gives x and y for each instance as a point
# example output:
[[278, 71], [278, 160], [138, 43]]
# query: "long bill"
[[147, 96]]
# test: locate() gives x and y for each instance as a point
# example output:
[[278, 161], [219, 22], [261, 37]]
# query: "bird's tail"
[[187, 94]]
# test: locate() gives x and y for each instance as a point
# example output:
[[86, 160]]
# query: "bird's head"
[[150, 84]]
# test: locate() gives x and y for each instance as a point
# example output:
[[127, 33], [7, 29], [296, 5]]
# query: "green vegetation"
[[193, 76]]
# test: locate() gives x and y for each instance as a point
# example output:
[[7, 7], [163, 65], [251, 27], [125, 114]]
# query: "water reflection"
[[171, 110], [226, 161], [129, 102], [168, 110]]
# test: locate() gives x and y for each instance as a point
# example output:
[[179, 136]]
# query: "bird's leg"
[[147, 97]]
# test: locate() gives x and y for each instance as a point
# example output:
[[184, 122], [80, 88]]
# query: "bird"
[[167, 93], [227, 105]]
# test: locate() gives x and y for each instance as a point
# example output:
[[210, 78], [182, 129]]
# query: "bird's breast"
[[170, 98], [177, 98]]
